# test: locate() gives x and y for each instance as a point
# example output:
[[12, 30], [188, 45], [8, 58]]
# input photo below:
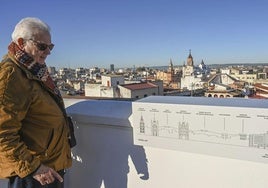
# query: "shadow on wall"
[[104, 145]]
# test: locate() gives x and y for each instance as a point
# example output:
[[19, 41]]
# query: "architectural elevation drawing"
[[227, 131]]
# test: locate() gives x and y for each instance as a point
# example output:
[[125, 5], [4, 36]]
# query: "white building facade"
[[138, 90]]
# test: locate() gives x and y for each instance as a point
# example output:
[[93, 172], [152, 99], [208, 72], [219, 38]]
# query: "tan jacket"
[[33, 127]]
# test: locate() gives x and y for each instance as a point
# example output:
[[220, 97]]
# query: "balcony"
[[107, 155]]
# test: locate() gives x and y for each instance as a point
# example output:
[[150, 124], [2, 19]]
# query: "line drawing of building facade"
[[142, 125], [183, 130], [155, 127]]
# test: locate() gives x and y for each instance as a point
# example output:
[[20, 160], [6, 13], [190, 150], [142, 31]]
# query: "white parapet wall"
[[107, 157], [235, 128]]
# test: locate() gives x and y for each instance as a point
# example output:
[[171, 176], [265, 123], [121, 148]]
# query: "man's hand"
[[46, 175]]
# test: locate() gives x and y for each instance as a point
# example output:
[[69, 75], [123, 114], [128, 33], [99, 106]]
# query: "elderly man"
[[34, 132]]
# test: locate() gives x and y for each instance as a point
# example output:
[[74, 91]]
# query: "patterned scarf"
[[40, 71]]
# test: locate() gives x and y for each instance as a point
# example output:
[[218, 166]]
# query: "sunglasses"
[[42, 46]]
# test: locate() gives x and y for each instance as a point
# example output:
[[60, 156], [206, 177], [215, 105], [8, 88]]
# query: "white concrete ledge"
[[107, 157]]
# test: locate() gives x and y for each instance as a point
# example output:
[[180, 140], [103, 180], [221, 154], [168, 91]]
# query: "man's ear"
[[21, 43]]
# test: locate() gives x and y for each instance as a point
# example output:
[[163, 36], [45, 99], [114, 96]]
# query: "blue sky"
[[89, 33]]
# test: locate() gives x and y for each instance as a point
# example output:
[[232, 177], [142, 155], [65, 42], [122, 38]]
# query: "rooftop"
[[137, 86]]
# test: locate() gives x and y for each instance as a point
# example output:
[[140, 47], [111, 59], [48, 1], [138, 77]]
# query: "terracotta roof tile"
[[138, 86]]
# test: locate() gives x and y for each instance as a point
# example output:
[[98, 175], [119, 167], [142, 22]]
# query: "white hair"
[[28, 28]]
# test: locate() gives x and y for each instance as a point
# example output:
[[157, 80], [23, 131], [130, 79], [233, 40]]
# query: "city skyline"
[[130, 33]]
